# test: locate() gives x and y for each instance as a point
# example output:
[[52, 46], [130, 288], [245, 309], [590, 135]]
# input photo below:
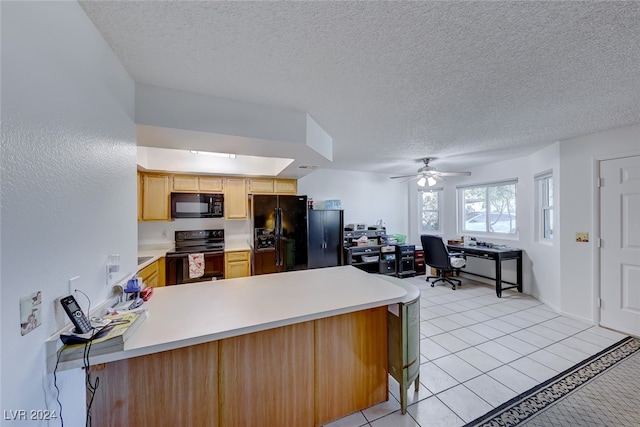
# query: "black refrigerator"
[[326, 238], [279, 228]]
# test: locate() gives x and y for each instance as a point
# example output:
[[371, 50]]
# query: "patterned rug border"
[[532, 401]]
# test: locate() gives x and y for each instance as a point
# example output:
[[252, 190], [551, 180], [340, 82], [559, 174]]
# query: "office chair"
[[437, 256]]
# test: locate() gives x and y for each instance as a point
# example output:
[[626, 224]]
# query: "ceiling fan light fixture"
[[422, 181], [431, 181]]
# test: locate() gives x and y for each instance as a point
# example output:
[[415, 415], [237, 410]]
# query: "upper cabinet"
[[285, 186], [272, 186], [154, 192], [193, 183], [154, 197], [235, 199]]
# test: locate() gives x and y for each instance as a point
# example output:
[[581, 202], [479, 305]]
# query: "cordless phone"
[[76, 315]]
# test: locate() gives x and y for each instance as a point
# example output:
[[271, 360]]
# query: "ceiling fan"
[[428, 175]]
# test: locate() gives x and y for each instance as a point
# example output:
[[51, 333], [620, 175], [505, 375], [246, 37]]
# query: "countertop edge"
[[143, 351], [285, 286]]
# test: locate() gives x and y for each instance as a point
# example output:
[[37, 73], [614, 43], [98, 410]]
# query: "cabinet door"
[[333, 236], [317, 242], [185, 183], [149, 275], [139, 196], [237, 264], [285, 186], [210, 184], [264, 186], [155, 198], [235, 201]]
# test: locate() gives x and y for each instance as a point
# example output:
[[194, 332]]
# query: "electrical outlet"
[[73, 284]]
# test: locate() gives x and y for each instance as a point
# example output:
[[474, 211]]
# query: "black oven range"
[[210, 243]]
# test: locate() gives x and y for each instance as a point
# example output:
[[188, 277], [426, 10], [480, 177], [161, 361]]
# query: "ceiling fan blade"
[[452, 173], [405, 176]]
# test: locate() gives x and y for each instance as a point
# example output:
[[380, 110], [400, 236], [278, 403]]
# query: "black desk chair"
[[437, 256]]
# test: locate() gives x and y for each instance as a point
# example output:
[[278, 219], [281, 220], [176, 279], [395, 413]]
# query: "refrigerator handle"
[[278, 235]]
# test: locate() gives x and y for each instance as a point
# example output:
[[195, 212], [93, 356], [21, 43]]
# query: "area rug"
[[531, 402]]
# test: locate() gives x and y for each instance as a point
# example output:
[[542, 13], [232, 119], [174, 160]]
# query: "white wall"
[[68, 185], [579, 261], [366, 197], [540, 260], [544, 256]]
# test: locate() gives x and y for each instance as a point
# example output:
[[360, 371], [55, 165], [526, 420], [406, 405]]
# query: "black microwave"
[[197, 205]]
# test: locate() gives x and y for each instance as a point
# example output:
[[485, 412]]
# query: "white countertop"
[[190, 314], [233, 245]]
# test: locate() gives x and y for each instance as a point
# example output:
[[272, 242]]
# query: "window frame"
[[543, 204], [486, 186], [439, 192]]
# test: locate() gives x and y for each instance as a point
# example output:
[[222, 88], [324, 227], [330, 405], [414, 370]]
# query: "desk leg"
[[519, 272], [499, 276]]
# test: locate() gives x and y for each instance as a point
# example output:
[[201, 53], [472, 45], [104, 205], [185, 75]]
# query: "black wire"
[[91, 388], [55, 383]]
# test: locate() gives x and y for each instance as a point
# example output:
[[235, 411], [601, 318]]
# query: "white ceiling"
[[392, 82]]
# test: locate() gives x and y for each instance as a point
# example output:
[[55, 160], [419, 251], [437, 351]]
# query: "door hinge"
[[599, 302], [599, 182], [598, 242]]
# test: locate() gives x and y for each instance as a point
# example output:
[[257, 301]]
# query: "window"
[[544, 208], [488, 208], [429, 205]]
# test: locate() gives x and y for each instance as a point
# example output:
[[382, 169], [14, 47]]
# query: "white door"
[[620, 251]]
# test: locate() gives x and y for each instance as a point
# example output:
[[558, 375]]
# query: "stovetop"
[[197, 241]]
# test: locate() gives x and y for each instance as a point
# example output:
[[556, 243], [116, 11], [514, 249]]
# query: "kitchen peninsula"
[[299, 348]]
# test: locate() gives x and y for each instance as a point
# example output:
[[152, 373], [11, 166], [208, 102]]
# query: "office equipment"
[[497, 255], [387, 263], [405, 257], [437, 256]]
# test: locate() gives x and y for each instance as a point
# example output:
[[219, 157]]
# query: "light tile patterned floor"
[[478, 351]]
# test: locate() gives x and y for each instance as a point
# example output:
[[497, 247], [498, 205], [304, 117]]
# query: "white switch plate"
[[73, 284]]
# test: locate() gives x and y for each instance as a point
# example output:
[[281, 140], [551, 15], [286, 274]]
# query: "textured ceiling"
[[392, 82]]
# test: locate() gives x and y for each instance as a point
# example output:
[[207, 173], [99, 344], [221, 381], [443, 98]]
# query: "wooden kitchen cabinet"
[[273, 186], [261, 186], [139, 197], [285, 186], [235, 199], [195, 183], [211, 184], [155, 198], [153, 274], [237, 264]]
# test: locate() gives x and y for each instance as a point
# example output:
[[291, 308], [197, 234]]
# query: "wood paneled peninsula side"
[[300, 348]]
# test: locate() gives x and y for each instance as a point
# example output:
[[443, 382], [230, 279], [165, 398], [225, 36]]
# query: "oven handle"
[[184, 255]]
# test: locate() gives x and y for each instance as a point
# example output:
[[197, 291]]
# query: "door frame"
[[597, 206]]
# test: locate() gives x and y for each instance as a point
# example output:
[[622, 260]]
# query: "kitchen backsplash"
[[159, 233]]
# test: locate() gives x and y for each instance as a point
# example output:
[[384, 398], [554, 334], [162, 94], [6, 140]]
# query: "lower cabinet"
[[237, 264], [153, 275], [304, 375]]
